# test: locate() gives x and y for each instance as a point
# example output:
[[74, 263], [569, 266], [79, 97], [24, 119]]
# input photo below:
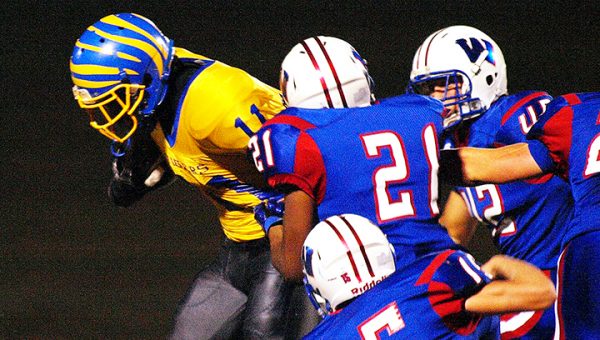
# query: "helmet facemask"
[[453, 88], [113, 113]]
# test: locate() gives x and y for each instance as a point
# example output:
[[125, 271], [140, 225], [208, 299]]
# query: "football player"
[[466, 69], [172, 112], [333, 152], [350, 275], [565, 140]]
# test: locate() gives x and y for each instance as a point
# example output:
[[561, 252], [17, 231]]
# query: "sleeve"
[[452, 277], [462, 274], [290, 158], [541, 155], [554, 131]]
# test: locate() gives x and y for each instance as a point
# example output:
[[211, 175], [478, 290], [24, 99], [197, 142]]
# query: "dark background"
[[71, 264]]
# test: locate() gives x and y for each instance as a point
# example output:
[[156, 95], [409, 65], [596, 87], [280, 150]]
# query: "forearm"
[[287, 240], [500, 165], [518, 286], [457, 220]]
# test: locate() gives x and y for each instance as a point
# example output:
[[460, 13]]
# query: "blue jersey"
[[424, 301], [527, 219], [570, 133], [380, 162]]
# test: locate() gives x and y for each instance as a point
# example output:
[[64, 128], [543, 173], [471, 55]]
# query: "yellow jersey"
[[219, 109]]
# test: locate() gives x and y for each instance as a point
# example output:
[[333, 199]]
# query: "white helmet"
[[461, 54], [325, 72], [344, 256]]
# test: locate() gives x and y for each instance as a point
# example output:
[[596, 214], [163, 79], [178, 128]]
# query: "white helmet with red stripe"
[[460, 55], [344, 256], [325, 72]]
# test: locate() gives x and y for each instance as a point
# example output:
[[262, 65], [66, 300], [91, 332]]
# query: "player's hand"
[[270, 212], [138, 167]]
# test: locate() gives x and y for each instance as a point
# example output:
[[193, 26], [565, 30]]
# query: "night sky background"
[[72, 265]]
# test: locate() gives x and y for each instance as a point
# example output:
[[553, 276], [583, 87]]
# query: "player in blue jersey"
[[350, 275], [334, 152], [565, 141], [466, 69], [172, 112]]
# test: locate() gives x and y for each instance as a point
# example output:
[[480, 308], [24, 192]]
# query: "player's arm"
[[474, 166], [456, 219], [138, 167], [287, 240], [517, 286]]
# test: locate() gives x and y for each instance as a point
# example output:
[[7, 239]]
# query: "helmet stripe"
[[348, 252], [93, 48], [93, 84], [145, 47], [116, 21], [333, 71], [429, 45], [128, 57], [360, 245], [316, 66], [86, 69]]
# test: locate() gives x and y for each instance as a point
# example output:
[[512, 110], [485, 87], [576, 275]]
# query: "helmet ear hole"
[[147, 80], [489, 79]]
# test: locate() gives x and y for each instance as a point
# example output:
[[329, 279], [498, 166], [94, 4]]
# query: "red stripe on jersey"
[[294, 121], [432, 267], [572, 99], [309, 164], [519, 104], [333, 71], [449, 307], [348, 252], [360, 244], [557, 136], [308, 174], [316, 65]]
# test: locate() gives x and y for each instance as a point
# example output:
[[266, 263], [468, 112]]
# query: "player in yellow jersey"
[[170, 112]]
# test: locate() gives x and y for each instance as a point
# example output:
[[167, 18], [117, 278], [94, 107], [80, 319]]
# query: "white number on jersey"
[[253, 146], [388, 318], [532, 115], [490, 212], [387, 208], [592, 165]]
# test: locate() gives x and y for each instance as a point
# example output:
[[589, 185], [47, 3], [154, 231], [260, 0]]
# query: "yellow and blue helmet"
[[119, 67]]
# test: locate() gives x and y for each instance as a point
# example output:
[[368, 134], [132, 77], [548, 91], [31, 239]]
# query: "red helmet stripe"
[[316, 65], [429, 45], [360, 244], [348, 252], [333, 71]]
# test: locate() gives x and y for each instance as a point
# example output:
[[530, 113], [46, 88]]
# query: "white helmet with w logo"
[[325, 72], [461, 55], [344, 256]]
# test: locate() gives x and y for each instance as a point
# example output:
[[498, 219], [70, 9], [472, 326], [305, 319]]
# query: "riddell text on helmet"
[[367, 286]]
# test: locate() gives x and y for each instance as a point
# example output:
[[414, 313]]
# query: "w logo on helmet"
[[476, 48]]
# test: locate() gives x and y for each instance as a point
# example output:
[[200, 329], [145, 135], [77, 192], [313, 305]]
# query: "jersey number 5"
[[387, 207], [387, 319]]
